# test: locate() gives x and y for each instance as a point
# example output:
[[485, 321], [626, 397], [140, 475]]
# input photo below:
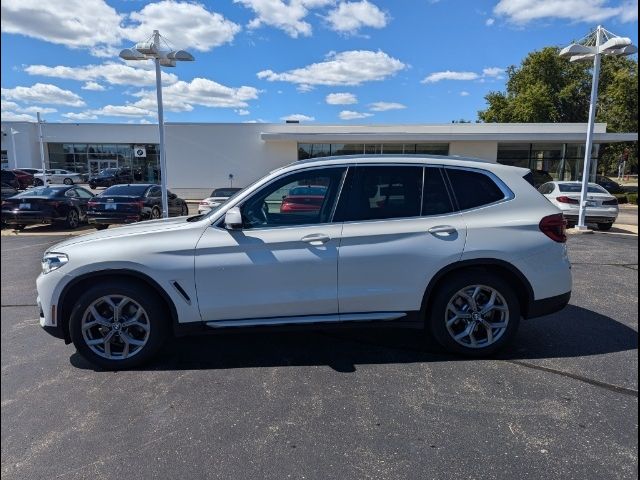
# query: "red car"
[[303, 199], [25, 179]]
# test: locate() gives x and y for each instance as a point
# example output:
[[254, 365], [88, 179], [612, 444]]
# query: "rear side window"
[[435, 197], [376, 193], [473, 189]]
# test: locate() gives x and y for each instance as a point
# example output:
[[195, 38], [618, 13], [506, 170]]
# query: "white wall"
[[484, 150], [200, 158]]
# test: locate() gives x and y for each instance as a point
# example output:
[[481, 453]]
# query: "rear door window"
[[435, 196], [381, 192], [473, 189]]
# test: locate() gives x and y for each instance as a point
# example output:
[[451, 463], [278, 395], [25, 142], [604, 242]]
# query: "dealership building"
[[202, 156]]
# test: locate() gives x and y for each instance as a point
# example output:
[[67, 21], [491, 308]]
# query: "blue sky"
[[324, 61]]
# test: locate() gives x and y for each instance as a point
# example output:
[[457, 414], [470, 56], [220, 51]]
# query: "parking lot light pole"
[[41, 138], [152, 49], [593, 47]]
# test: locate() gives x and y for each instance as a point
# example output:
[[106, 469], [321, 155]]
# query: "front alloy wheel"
[[117, 325]]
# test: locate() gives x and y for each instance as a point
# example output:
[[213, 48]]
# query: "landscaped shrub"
[[633, 198], [622, 198]]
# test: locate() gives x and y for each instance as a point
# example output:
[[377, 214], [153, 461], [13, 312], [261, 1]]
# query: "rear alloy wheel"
[[155, 213], [101, 226], [605, 227], [475, 314], [118, 325], [73, 219], [67, 181], [37, 182]]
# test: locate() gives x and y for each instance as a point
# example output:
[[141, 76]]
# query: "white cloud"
[[98, 27], [298, 117], [464, 93], [7, 106], [449, 75], [75, 23], [490, 72], [9, 116], [181, 96], [184, 24], [590, 11], [288, 17], [489, 22], [349, 17], [385, 106], [493, 72], [243, 112], [351, 115], [341, 99], [144, 121], [346, 68], [36, 109], [80, 115], [121, 111], [43, 93], [115, 73], [95, 86]]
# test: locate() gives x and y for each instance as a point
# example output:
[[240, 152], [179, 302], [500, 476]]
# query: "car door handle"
[[316, 239], [442, 230]]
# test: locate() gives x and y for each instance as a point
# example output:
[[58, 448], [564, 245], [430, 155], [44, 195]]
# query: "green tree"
[[548, 88]]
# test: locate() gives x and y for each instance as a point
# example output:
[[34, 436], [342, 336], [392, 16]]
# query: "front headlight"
[[53, 261]]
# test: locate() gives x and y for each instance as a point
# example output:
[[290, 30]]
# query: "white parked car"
[[57, 175], [466, 249], [602, 207], [218, 196]]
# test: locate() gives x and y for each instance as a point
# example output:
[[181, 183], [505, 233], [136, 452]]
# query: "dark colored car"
[[132, 203], [53, 204], [609, 185], [303, 199], [10, 178], [111, 176], [540, 177], [8, 191], [25, 179]]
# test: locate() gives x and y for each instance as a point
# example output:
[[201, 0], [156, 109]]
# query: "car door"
[[280, 264], [400, 229], [83, 199]]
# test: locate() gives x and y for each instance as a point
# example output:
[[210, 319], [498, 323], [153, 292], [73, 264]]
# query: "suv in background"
[[463, 248]]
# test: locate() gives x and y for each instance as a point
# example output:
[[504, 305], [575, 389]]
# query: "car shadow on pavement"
[[574, 332]]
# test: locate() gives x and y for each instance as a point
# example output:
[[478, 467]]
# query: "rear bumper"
[[28, 218], [547, 306], [592, 218], [113, 219]]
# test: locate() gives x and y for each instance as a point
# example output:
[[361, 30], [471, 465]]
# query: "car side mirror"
[[233, 219]]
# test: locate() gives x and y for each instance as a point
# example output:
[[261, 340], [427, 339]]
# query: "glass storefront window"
[[372, 148], [396, 148], [432, 148], [347, 149], [307, 150]]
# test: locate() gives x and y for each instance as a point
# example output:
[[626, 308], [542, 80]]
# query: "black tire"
[[67, 181], [571, 225], [101, 226], [37, 182], [436, 317], [155, 214], [73, 219], [605, 227], [19, 227], [184, 210], [145, 297]]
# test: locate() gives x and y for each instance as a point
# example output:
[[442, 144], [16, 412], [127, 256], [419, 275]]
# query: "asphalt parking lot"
[[562, 402]]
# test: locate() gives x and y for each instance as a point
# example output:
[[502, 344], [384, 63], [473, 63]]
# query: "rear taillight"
[[610, 202], [572, 201], [91, 204], [554, 227]]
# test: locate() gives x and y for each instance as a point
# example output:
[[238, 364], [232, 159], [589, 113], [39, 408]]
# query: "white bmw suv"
[[461, 247]]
